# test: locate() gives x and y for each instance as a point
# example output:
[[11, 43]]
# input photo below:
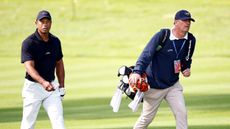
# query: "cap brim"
[[188, 18], [40, 18], [192, 19]]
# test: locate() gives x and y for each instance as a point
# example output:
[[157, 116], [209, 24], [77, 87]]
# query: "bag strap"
[[163, 38]]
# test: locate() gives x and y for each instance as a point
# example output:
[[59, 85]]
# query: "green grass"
[[102, 36]]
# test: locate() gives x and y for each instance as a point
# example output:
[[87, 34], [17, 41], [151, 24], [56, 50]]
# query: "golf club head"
[[125, 79], [124, 70]]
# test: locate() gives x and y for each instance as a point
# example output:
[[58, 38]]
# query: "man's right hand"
[[30, 68], [47, 86], [133, 78]]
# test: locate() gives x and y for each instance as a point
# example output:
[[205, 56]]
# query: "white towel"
[[116, 100], [136, 101]]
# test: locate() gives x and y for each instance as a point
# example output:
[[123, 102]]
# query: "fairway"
[[100, 36]]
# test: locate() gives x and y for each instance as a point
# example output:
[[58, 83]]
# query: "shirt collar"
[[39, 37], [173, 37]]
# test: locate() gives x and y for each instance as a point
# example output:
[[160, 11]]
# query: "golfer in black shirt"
[[41, 54]]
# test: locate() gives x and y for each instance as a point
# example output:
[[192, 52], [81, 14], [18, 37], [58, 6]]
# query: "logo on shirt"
[[170, 50], [47, 53]]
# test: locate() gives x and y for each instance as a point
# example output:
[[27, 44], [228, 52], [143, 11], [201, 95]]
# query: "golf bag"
[[124, 73], [135, 95]]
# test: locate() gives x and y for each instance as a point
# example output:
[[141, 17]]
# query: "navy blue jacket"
[[159, 65]]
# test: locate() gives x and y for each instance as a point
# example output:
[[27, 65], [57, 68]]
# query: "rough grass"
[[100, 36]]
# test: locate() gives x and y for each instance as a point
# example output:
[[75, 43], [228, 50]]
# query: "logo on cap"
[[43, 14], [183, 15], [187, 13]]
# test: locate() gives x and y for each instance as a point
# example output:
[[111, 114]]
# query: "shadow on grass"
[[98, 108], [190, 127]]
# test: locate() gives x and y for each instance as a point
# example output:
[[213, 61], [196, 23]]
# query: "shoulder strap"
[[164, 36]]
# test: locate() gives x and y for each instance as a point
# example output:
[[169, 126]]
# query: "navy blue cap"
[[43, 14], [183, 15]]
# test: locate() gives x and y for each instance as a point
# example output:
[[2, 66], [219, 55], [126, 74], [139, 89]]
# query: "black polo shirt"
[[44, 54]]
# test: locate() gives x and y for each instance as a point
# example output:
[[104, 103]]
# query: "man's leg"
[[152, 100], [175, 99], [30, 111], [54, 109]]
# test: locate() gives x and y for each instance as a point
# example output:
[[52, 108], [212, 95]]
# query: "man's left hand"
[[186, 72], [62, 92]]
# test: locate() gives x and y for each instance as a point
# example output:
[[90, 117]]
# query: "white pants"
[[152, 99], [33, 96]]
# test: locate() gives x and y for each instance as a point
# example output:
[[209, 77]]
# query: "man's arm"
[[60, 72], [147, 54], [186, 69], [145, 58], [29, 65]]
